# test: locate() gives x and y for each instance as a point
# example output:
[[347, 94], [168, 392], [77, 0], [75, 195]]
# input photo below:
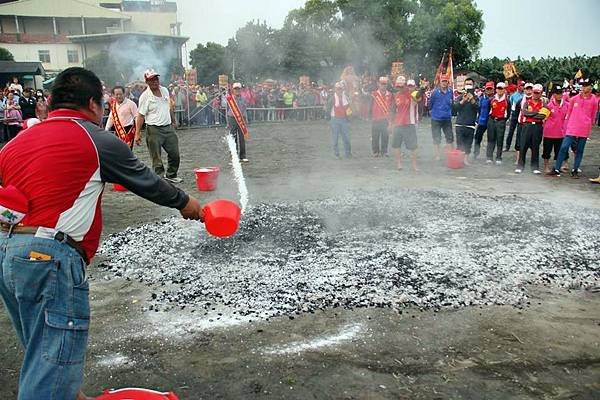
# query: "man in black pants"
[[27, 104], [467, 107], [232, 124], [515, 101], [484, 115]]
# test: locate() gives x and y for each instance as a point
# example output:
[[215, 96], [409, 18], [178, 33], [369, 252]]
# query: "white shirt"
[[156, 110]]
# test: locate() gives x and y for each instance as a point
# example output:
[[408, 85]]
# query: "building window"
[[73, 56], [44, 55]]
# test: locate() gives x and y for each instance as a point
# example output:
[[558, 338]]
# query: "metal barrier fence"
[[209, 116]]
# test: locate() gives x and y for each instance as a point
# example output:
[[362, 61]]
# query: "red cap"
[[149, 74], [490, 84], [521, 83], [444, 78]]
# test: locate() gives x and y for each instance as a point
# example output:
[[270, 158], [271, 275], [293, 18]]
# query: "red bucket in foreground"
[[206, 178], [136, 394], [119, 188], [222, 218], [456, 159]]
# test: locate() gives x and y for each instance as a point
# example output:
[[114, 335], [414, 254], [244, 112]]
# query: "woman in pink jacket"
[[580, 118], [554, 127]]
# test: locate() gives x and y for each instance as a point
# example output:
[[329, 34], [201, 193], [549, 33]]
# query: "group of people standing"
[[19, 106], [557, 121]]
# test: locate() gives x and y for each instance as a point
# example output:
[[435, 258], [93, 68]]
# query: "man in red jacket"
[[53, 175], [381, 104]]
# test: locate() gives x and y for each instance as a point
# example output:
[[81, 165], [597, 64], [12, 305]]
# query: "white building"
[[62, 33]]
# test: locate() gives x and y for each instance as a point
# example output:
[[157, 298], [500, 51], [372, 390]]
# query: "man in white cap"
[[404, 123], [381, 104], [499, 113], [155, 110], [532, 133]]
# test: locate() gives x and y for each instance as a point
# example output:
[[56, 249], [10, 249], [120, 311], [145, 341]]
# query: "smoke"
[[137, 53]]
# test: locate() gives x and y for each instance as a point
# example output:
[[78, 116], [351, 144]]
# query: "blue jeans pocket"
[[65, 338], [33, 280]]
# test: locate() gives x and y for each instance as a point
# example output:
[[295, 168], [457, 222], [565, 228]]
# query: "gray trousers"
[[163, 137]]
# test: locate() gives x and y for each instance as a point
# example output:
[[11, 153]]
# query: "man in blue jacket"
[[440, 105], [484, 114]]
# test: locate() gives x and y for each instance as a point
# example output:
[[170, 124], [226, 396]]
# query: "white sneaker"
[[174, 180], [537, 171], [488, 161], [245, 160], [579, 170], [498, 162], [518, 171]]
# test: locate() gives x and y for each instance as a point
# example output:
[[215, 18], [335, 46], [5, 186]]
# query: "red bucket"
[[455, 159], [222, 218], [206, 178], [136, 394], [119, 188]]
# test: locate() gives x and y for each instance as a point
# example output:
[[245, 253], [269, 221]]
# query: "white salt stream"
[[238, 174]]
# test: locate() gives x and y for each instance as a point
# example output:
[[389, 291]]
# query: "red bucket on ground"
[[206, 178], [119, 188], [455, 159], [136, 394], [222, 218]]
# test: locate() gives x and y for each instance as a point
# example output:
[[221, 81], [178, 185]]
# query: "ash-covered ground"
[[390, 248]]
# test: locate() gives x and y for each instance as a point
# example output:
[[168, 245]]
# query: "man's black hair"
[[118, 87], [74, 87]]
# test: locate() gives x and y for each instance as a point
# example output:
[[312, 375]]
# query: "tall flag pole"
[[438, 72]]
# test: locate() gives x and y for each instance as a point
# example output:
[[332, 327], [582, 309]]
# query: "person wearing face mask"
[[51, 222], [580, 118], [467, 107]]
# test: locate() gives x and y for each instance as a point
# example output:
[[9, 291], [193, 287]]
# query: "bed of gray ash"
[[396, 248]]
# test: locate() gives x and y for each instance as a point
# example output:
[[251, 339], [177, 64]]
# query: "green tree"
[[6, 55], [209, 61]]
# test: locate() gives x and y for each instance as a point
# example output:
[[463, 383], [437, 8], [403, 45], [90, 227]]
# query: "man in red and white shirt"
[[60, 167], [404, 122], [499, 113], [532, 133], [381, 105]]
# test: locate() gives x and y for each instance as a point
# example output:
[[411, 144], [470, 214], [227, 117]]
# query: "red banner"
[[235, 110]]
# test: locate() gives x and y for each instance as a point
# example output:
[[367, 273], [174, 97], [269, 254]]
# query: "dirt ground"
[[548, 350]]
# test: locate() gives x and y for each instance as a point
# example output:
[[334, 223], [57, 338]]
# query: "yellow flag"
[[579, 74]]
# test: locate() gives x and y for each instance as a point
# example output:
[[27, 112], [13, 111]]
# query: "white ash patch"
[[115, 360], [395, 248], [346, 334]]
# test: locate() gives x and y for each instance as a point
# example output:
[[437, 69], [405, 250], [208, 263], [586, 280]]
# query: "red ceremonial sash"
[[381, 102], [126, 137], [235, 110]]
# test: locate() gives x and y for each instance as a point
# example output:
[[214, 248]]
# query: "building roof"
[[58, 8], [16, 67], [100, 37]]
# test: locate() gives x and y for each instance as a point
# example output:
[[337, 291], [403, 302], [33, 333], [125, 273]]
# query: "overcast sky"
[[512, 27]]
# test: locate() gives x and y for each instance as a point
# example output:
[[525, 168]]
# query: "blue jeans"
[[564, 151], [48, 304], [340, 127]]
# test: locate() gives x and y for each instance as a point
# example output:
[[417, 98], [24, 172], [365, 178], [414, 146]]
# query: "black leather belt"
[[498, 119], [59, 237]]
